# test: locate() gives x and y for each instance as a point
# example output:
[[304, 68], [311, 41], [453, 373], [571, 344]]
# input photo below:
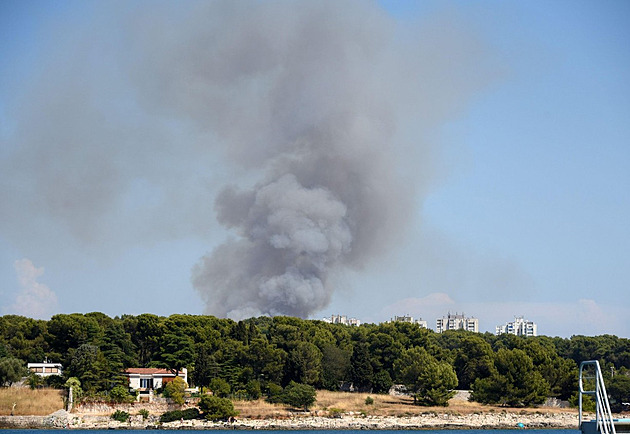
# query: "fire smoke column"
[[310, 96]]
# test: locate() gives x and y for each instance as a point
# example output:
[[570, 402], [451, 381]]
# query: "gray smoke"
[[322, 111]]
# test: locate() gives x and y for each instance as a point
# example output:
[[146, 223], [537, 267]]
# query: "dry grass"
[[384, 405], [38, 402]]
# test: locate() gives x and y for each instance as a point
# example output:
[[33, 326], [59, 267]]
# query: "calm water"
[[349, 431]]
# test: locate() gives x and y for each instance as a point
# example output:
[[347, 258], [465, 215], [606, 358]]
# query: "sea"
[[347, 431]]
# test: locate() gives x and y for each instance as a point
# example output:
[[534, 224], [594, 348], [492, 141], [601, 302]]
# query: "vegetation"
[[299, 395], [170, 416], [120, 416], [175, 390], [264, 356], [215, 408]]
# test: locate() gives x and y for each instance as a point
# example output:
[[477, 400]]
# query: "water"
[[348, 431]]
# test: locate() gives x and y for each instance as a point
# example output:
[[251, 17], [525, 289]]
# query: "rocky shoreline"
[[64, 420]]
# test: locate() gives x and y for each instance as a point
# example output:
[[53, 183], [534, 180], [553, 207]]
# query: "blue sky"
[[526, 211]]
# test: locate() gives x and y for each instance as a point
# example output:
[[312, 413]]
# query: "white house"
[[45, 368], [519, 327], [145, 379]]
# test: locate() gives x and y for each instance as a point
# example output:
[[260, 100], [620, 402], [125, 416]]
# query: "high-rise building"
[[408, 318], [457, 322], [518, 327], [342, 319]]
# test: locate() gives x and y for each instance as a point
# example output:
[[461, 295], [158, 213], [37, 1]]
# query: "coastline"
[[505, 420]]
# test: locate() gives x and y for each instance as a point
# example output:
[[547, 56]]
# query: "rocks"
[[63, 419]]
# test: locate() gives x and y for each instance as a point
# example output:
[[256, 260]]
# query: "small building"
[[145, 380], [45, 368]]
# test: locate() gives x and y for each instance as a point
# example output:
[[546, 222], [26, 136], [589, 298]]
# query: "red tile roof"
[[148, 371]]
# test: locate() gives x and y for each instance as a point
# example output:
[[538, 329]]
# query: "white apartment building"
[[518, 327], [408, 318], [457, 322], [342, 319]]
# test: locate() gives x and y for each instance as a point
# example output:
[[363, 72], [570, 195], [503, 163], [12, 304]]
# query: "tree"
[[215, 408], [299, 395], [513, 382], [306, 363], [361, 367], [11, 370], [335, 366], [206, 367], [431, 381], [175, 390], [619, 391], [220, 387]]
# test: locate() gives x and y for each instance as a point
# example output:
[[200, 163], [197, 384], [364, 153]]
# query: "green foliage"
[[77, 391], [361, 370], [220, 387], [431, 382], [253, 390], [175, 390], [618, 388], [513, 382], [188, 414], [144, 413], [369, 400], [120, 394], [588, 403], [11, 370], [306, 363], [275, 351], [215, 408], [34, 381], [120, 416], [299, 395], [274, 393]]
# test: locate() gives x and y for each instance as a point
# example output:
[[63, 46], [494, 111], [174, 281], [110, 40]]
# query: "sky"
[[368, 159]]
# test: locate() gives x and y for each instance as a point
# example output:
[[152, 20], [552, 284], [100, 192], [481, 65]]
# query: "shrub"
[[175, 390], [215, 408], [274, 393], [120, 394], [369, 400], [299, 395], [188, 414], [144, 413], [120, 416]]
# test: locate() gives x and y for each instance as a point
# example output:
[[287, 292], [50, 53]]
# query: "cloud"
[[34, 299]]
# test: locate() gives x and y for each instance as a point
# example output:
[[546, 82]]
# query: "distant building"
[[457, 322], [518, 327], [46, 368], [408, 318], [342, 319]]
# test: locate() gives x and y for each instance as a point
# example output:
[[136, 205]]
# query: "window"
[[146, 383]]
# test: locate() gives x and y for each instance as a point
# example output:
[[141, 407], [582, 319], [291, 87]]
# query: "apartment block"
[[519, 327], [409, 319], [457, 322]]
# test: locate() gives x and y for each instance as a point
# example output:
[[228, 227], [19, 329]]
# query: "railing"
[[603, 415]]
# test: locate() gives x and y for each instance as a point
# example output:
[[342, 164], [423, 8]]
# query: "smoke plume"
[[314, 111]]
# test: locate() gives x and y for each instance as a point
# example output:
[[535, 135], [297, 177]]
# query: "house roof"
[[149, 371]]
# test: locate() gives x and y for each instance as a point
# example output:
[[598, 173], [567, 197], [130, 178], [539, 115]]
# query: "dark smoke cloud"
[[119, 139]]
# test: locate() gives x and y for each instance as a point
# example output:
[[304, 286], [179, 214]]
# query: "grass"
[[45, 401], [329, 403], [28, 402]]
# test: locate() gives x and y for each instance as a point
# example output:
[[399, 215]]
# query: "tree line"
[[263, 355]]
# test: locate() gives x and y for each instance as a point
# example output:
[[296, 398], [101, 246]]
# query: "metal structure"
[[604, 422]]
